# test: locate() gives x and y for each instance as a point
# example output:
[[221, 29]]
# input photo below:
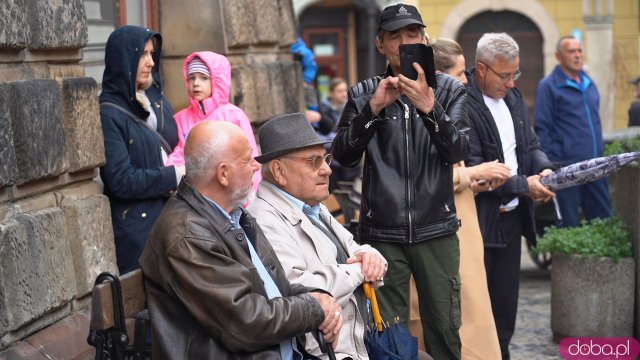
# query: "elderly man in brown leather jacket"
[[215, 288]]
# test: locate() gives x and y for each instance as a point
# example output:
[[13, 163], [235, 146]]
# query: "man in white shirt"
[[500, 129]]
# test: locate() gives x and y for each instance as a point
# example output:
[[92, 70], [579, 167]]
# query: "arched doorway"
[[524, 31]]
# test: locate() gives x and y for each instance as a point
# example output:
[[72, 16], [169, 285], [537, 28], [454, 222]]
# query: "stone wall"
[[55, 228], [255, 35], [55, 225]]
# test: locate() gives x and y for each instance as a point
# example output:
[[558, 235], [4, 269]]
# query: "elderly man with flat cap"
[[214, 285], [314, 249], [410, 135]]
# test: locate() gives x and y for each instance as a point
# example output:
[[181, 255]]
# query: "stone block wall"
[[55, 225], [255, 35]]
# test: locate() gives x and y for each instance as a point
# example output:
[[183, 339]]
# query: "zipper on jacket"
[[433, 120], [161, 112], [370, 122], [435, 123], [407, 128], [593, 132]]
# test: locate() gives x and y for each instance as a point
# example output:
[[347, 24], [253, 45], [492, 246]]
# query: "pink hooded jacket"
[[216, 107]]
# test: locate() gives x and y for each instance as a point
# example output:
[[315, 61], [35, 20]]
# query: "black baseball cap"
[[398, 16], [635, 81]]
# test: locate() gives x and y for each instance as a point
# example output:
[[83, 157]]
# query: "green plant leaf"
[[600, 237]]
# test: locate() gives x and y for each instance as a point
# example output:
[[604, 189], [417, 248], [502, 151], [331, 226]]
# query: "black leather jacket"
[[407, 193]]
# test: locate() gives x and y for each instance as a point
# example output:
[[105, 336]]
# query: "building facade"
[[610, 31]]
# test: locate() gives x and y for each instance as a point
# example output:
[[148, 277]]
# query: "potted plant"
[[592, 279]]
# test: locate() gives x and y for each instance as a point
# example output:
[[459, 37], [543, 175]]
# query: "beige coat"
[[308, 258], [478, 331]]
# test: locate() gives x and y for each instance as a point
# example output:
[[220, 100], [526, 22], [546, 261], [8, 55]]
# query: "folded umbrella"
[[384, 342], [583, 172], [586, 171]]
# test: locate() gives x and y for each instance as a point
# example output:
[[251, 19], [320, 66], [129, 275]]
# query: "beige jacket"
[[308, 258]]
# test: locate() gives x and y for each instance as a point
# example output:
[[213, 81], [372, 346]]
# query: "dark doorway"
[[527, 35], [339, 32]]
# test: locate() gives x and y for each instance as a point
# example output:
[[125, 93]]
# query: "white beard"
[[242, 196]]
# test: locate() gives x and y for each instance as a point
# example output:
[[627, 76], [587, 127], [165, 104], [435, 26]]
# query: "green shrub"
[[622, 146], [600, 237]]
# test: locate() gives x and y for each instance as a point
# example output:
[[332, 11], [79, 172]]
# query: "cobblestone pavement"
[[533, 337]]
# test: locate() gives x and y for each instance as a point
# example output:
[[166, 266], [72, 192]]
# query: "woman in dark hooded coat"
[[139, 131]]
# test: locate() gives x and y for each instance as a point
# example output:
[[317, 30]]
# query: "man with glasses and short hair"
[[314, 249], [500, 129]]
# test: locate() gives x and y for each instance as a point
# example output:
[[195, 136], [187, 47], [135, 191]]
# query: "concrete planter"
[[592, 296]]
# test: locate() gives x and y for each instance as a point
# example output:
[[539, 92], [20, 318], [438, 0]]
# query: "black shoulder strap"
[[163, 141]]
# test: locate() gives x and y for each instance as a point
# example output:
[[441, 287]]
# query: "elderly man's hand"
[[332, 323], [545, 172], [373, 266], [537, 191]]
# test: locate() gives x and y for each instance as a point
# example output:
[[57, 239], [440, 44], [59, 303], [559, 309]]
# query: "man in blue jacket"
[[568, 124], [139, 131]]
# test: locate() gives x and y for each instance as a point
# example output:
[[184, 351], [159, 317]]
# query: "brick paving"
[[533, 337]]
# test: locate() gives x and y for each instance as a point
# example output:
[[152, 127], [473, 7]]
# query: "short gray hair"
[[497, 45], [265, 171], [559, 43], [202, 160]]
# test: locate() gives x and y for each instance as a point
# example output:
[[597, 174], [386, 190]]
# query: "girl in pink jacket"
[[208, 78]]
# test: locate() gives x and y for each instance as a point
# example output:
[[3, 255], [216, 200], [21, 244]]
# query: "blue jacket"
[[309, 65], [135, 180], [567, 118]]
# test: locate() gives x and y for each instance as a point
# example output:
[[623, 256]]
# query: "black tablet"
[[423, 55]]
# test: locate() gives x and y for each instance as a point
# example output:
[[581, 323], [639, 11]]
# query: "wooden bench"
[[334, 208], [118, 308], [333, 204]]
